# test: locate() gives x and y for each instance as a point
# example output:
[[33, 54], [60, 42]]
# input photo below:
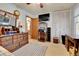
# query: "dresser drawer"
[[19, 36], [5, 43], [6, 38], [15, 36]]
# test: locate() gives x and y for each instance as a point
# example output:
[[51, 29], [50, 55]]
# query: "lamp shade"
[[16, 12]]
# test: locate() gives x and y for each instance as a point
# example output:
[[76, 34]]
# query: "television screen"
[[7, 21], [1, 18], [4, 20], [44, 17]]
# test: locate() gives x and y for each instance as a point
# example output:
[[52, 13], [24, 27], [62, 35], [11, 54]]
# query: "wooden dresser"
[[13, 42]]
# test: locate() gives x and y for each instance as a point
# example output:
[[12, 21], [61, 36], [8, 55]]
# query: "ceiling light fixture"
[[41, 5]]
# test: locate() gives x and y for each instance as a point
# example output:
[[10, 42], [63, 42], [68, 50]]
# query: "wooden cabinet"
[[55, 40], [42, 36], [13, 42]]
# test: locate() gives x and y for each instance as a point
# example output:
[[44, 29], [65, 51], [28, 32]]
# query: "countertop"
[[11, 34]]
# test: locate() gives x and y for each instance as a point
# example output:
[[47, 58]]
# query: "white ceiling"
[[34, 8]]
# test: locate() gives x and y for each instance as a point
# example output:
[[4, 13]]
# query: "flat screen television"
[[4, 20], [44, 17], [7, 21]]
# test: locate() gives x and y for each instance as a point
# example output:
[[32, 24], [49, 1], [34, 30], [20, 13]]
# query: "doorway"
[[28, 28], [34, 28]]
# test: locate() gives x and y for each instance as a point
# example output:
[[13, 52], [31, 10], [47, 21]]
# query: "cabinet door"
[[15, 42], [25, 39], [20, 37], [6, 41]]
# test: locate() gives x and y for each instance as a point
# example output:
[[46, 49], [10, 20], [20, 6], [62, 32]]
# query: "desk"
[[74, 41]]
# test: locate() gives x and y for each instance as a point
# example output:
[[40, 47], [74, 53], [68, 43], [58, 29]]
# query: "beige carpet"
[[52, 50], [31, 49]]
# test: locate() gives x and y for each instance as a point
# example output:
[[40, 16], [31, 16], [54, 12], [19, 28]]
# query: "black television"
[[7, 20], [4, 20], [44, 17]]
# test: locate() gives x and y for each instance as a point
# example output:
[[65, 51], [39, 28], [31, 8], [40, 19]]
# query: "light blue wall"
[[11, 7]]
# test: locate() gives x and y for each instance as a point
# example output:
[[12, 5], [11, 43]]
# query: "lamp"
[[16, 13]]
